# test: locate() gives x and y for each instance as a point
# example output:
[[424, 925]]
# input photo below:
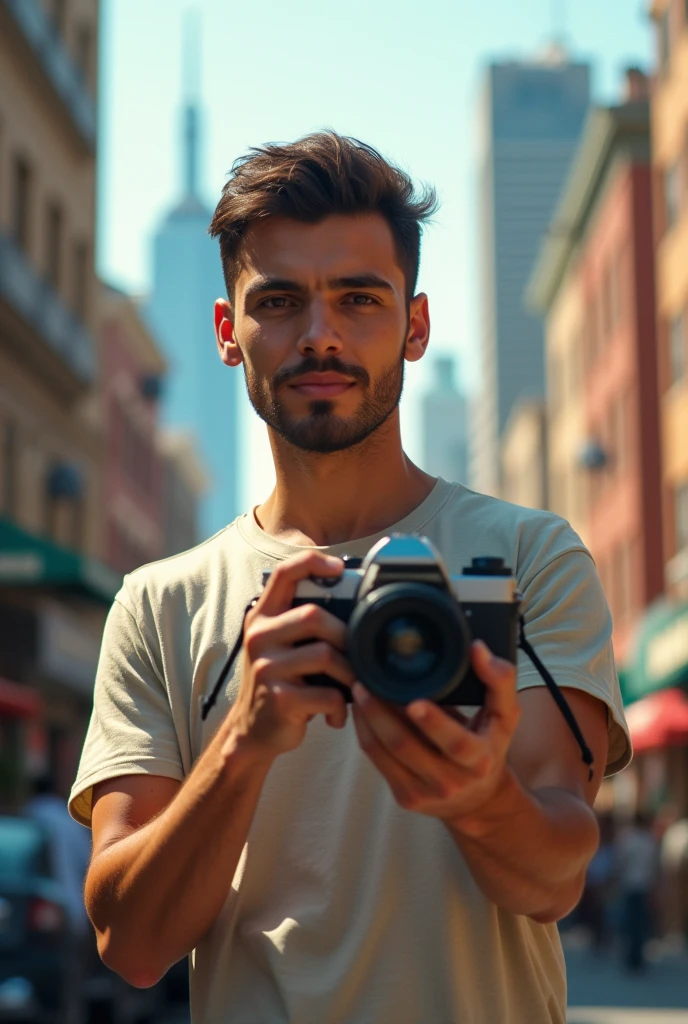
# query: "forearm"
[[154, 893], [528, 851]]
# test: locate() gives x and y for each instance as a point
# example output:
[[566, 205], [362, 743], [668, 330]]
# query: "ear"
[[227, 346], [419, 328]]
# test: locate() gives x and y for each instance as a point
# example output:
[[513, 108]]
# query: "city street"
[[601, 992]]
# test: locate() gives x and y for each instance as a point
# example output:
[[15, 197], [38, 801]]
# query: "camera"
[[410, 624]]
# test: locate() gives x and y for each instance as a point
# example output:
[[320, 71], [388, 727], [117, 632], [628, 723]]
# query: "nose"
[[320, 336]]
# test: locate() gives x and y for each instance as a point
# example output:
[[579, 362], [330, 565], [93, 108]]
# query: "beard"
[[322, 430]]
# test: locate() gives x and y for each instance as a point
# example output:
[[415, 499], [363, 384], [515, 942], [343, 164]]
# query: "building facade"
[[130, 389], [54, 589], [594, 282], [524, 455], [185, 482], [444, 424], [202, 394], [670, 148], [530, 122]]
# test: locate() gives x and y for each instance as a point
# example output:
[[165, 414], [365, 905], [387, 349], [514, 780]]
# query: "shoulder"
[[530, 538], [180, 577]]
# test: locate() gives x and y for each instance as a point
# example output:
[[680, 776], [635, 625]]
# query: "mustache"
[[312, 365]]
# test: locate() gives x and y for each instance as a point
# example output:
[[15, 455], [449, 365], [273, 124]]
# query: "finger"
[[400, 740], [405, 784], [281, 586], [499, 677], [310, 659], [299, 703], [307, 622], [454, 738]]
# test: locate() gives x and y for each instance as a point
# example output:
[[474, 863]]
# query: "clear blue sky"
[[403, 76]]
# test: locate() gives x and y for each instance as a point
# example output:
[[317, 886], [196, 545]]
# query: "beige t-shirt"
[[345, 909]]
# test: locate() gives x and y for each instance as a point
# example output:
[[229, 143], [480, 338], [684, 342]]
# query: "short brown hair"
[[319, 175]]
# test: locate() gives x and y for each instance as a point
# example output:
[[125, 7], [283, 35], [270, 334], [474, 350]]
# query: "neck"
[[331, 499]]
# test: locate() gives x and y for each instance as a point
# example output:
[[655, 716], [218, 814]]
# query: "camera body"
[[410, 624]]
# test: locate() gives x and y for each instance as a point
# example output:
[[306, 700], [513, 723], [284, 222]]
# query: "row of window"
[[62, 518], [134, 451], [65, 263], [618, 574], [79, 40]]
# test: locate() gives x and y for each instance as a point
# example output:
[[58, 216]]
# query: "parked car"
[[40, 958]]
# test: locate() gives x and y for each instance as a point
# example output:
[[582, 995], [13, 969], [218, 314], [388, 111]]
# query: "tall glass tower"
[[531, 118], [202, 394]]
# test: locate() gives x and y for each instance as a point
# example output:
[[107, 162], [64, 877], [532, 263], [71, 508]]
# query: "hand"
[[435, 761], [274, 704]]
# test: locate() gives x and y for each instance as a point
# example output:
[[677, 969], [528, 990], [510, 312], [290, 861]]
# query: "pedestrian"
[[595, 904], [353, 863], [70, 848], [637, 872]]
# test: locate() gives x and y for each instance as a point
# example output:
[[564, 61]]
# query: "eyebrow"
[[282, 284]]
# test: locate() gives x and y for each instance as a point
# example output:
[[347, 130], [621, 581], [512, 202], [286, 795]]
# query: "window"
[[672, 195], [8, 496], [21, 203], [80, 283], [682, 517], [677, 346], [53, 245]]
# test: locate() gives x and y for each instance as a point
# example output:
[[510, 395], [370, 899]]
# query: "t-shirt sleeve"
[[567, 621], [131, 731]]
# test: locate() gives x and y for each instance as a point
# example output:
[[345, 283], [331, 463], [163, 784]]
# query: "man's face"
[[322, 325]]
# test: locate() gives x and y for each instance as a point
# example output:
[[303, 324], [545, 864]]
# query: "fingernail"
[[417, 711]]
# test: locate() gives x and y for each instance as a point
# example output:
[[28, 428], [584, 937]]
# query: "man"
[[326, 866]]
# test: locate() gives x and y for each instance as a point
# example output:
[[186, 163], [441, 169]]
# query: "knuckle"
[[252, 641], [310, 614], [445, 789], [261, 670]]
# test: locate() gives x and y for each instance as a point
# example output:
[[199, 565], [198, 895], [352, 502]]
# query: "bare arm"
[[512, 790], [529, 847], [164, 854]]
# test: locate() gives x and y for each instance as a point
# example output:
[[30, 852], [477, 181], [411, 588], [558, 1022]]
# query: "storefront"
[[655, 690], [53, 604]]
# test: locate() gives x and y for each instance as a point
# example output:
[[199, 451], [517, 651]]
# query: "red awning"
[[659, 720], [20, 701]]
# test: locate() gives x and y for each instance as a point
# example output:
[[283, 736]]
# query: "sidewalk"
[[601, 992]]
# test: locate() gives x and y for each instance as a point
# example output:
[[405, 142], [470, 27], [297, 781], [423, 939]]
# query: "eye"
[[277, 302], [361, 300]]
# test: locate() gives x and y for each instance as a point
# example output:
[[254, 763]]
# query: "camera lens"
[[409, 640], [408, 646]]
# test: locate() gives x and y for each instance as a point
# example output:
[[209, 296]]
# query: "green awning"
[[660, 657], [29, 560]]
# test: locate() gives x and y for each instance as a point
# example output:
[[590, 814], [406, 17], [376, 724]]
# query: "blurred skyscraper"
[[445, 451], [201, 393], [530, 122]]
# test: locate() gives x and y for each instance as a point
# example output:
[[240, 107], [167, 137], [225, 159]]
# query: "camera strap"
[[208, 702], [559, 698]]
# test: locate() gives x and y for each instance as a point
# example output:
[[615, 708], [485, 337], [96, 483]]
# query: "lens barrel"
[[408, 641]]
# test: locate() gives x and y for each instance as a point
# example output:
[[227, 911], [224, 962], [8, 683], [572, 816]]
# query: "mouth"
[[322, 385]]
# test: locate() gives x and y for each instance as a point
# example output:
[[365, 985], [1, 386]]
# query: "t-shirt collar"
[[414, 522]]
